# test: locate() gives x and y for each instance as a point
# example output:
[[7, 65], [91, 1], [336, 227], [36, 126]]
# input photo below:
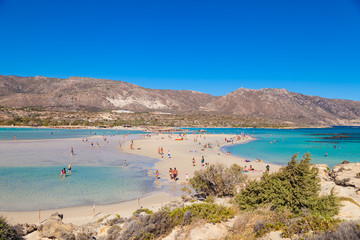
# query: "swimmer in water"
[[69, 168], [124, 163]]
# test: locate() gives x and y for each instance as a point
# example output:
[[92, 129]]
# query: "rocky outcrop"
[[77, 93], [347, 174], [54, 228], [344, 182]]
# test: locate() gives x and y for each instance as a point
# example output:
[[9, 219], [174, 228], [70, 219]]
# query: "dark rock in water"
[[345, 162]]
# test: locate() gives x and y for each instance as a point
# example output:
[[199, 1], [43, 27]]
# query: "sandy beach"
[[181, 154], [192, 146]]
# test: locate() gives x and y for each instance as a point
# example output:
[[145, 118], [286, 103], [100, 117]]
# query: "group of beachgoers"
[[173, 174], [335, 147], [203, 163], [63, 171], [252, 169]]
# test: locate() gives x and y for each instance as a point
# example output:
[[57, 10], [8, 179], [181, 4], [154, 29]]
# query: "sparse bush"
[[308, 225], [149, 226], [346, 230], [145, 210], [218, 180], [292, 188], [211, 213], [7, 232]]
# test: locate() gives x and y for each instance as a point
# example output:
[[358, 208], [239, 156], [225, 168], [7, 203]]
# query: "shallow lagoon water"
[[32, 188], [288, 142], [30, 166], [30, 173], [8, 133]]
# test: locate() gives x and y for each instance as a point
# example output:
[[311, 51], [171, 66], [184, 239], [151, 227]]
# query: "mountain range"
[[90, 94]]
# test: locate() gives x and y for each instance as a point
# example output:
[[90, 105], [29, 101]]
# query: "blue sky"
[[311, 47]]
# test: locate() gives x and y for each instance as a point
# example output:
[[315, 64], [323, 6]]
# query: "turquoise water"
[[289, 142], [30, 170], [55, 133], [32, 188]]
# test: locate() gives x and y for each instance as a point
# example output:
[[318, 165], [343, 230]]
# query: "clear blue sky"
[[306, 46]]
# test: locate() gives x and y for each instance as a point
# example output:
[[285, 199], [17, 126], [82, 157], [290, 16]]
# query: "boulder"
[[57, 217], [347, 174], [54, 228], [25, 229]]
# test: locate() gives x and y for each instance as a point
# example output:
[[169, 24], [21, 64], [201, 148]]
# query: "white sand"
[[181, 152]]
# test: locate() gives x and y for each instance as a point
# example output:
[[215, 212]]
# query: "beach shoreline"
[[181, 151]]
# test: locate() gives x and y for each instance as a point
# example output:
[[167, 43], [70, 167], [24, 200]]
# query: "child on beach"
[[157, 174], [187, 177], [169, 154], [193, 162], [202, 161]]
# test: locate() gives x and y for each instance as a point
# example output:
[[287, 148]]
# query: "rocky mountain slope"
[[77, 93]]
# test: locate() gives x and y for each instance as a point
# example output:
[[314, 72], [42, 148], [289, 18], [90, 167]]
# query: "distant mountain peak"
[[82, 93]]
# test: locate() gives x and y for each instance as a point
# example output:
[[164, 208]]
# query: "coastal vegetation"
[[6, 231], [211, 213], [293, 188], [47, 118], [218, 180]]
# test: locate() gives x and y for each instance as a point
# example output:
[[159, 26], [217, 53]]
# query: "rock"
[[25, 229], [56, 229], [347, 174], [324, 171], [345, 162], [57, 217], [326, 180]]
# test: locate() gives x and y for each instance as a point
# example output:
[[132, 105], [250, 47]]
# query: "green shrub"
[[345, 230], [145, 210], [211, 213], [303, 226], [218, 180], [294, 188], [6, 231], [309, 225]]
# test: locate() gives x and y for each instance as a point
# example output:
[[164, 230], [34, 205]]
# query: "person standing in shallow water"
[[69, 168]]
